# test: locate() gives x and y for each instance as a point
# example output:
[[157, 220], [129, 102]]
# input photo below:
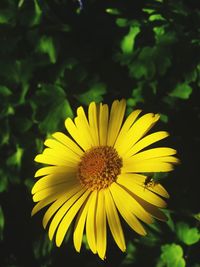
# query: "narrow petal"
[[77, 134], [151, 209], [53, 179], [92, 115], [142, 192], [101, 225], [126, 213], [137, 131], [43, 203], [90, 223], [80, 223], [126, 126], [54, 170], [103, 124], [113, 220], [154, 153], [61, 212], [121, 195], [48, 192], [60, 148], [152, 165], [146, 141], [115, 121], [68, 142], [83, 126], [68, 218], [71, 191]]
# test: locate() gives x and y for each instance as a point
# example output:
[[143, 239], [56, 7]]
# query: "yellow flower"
[[100, 174]]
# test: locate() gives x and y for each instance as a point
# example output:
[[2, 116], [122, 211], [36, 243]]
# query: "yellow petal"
[[77, 134], [69, 192], [92, 114], [115, 121], [137, 131], [113, 220], [103, 124], [43, 203], [79, 225], [48, 192], [122, 196], [68, 218], [126, 126], [125, 210], [68, 142], [62, 211], [142, 192], [90, 223], [53, 179], [60, 148], [101, 225], [154, 153], [151, 165], [146, 141], [54, 170]]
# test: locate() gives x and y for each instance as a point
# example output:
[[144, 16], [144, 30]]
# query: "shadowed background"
[[56, 55]]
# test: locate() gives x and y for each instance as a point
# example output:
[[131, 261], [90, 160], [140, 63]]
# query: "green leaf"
[[3, 181], [171, 256], [127, 43], [2, 223], [130, 254], [182, 91], [47, 46], [95, 93], [187, 235], [16, 158], [112, 11], [156, 17], [5, 91]]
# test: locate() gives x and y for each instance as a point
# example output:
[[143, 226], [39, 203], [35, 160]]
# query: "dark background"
[[56, 55]]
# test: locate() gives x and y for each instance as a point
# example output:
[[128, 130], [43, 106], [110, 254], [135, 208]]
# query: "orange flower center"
[[99, 167]]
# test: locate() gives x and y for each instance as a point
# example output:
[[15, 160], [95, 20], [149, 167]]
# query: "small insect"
[[149, 182]]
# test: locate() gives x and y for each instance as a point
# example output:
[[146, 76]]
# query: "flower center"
[[99, 167]]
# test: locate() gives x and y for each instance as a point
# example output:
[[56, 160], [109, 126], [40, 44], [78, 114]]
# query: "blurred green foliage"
[[58, 54]]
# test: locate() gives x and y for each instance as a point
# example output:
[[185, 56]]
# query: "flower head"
[[97, 177]]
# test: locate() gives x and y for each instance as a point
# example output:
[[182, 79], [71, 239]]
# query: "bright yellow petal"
[[71, 191], [125, 211], [154, 153], [142, 192], [90, 223], [43, 203], [54, 170], [38, 196], [132, 206], [78, 135], [115, 121], [92, 115], [103, 124], [59, 148], [79, 225], [113, 220], [68, 142], [151, 165], [101, 225], [53, 179], [137, 131], [126, 126], [146, 141], [61, 212], [151, 209], [68, 218]]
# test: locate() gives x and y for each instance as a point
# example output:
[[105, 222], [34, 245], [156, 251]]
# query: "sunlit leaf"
[[182, 90], [16, 158], [187, 235], [127, 44], [47, 46], [156, 17], [171, 256]]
